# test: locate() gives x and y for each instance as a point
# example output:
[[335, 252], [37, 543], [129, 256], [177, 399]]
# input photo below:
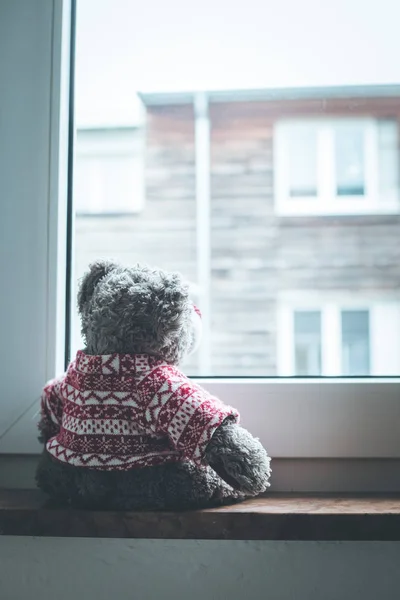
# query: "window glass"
[[350, 159], [178, 111], [388, 159], [302, 150], [307, 340], [355, 342]]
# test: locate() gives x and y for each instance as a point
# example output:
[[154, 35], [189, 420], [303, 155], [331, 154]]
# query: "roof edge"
[[271, 94]]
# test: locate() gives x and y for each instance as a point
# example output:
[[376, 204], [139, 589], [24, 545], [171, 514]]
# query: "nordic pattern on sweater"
[[120, 411]]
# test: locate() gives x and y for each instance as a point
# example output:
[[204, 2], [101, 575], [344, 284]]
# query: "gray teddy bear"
[[123, 428]]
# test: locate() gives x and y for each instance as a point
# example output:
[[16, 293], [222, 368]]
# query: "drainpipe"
[[203, 223]]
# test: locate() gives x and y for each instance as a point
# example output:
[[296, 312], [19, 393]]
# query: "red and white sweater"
[[120, 411]]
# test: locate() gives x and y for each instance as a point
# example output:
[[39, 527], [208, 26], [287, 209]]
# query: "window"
[[346, 336], [336, 166], [108, 171], [210, 212]]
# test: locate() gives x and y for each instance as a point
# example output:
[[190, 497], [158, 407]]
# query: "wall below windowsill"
[[273, 517]]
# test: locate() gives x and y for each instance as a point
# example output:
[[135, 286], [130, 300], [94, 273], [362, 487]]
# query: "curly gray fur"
[[178, 486]]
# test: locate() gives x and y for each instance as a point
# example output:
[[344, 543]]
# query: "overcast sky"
[[172, 45]]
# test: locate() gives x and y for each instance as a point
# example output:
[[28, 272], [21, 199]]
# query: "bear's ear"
[[91, 278]]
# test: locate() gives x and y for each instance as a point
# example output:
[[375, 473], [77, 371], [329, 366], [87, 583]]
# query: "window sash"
[[309, 340]]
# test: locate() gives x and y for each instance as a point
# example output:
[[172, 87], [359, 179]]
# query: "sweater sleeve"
[[50, 409], [190, 417]]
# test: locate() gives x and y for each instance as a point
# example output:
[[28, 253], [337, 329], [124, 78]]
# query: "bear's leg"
[[55, 478], [172, 487], [79, 487], [176, 486]]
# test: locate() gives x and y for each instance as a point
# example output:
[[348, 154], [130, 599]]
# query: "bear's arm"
[[50, 410], [239, 458], [189, 417], [206, 431]]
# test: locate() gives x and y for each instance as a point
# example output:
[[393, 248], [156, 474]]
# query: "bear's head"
[[137, 310]]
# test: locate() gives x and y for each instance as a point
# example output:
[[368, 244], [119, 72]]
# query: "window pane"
[[355, 342], [307, 339], [302, 145], [349, 151], [388, 159], [176, 150]]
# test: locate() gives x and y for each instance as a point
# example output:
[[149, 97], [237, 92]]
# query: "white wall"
[[33, 159], [25, 70], [61, 569]]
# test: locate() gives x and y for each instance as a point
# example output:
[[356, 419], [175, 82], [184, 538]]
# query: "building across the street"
[[282, 209]]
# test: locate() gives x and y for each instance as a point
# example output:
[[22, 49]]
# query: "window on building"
[[336, 166], [347, 336], [108, 172]]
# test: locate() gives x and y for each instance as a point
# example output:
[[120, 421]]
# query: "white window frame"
[[381, 307], [294, 418], [327, 202]]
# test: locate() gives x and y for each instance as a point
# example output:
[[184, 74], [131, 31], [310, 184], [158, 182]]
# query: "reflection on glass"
[[388, 159]]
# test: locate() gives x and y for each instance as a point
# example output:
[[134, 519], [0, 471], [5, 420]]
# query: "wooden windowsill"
[[274, 517]]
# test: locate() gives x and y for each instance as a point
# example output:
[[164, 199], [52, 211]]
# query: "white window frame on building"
[[383, 331], [380, 167]]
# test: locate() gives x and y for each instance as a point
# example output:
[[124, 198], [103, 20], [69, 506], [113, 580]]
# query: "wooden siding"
[[255, 255]]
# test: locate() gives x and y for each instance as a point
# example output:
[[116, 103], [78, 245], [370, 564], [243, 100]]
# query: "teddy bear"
[[124, 428]]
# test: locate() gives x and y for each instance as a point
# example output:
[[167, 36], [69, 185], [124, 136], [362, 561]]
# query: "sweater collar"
[[114, 364]]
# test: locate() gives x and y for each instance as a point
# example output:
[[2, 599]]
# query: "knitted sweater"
[[120, 411]]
